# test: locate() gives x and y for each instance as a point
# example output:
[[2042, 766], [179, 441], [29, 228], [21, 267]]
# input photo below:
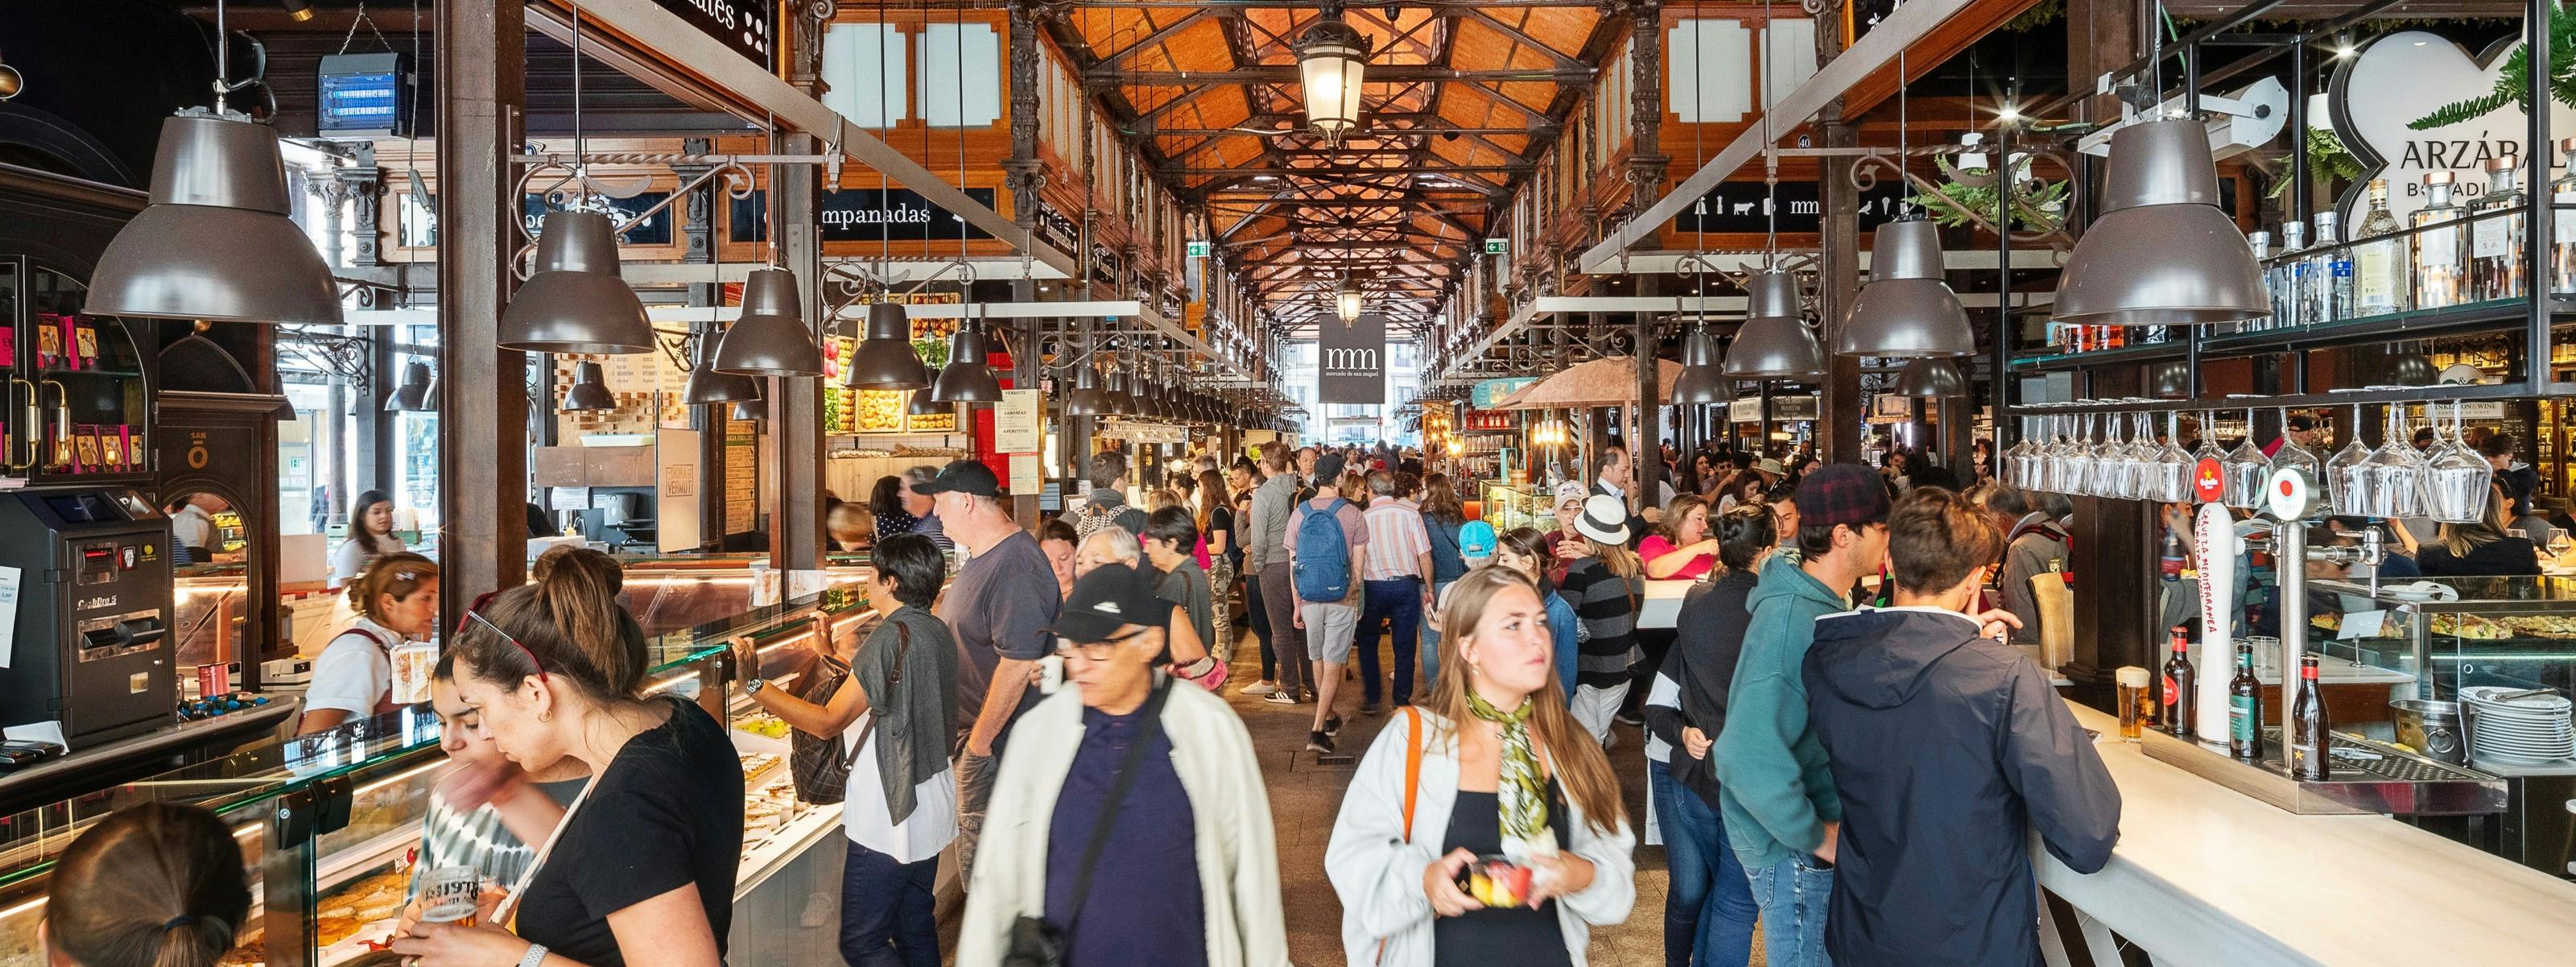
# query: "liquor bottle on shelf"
[[2245, 708], [2311, 749], [2562, 225], [2379, 268], [2293, 280], [2440, 278], [2174, 711], [2262, 244], [2329, 294], [2496, 238]]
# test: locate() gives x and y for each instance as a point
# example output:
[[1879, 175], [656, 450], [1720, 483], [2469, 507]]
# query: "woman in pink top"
[[1681, 548]]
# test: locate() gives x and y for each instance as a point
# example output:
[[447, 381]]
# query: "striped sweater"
[[1606, 604]]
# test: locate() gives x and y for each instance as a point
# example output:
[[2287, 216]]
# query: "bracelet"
[[535, 956]]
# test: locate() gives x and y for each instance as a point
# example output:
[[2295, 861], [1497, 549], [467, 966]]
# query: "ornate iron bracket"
[[1866, 170]]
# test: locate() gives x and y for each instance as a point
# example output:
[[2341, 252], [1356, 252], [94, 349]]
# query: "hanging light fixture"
[[1775, 342], [925, 402], [750, 411], [966, 379], [1347, 301], [576, 302], [708, 384], [216, 243], [589, 392], [884, 360], [1086, 398], [770, 339], [11, 82], [2170, 381], [1906, 311], [416, 394], [2162, 254], [1332, 58], [1702, 380], [1930, 377], [1121, 401]]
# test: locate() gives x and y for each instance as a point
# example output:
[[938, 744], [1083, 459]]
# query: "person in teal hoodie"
[[1776, 793]]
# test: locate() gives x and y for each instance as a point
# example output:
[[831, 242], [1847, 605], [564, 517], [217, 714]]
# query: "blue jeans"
[[1399, 602], [1260, 626], [1793, 894], [888, 915], [1709, 909], [1431, 641]]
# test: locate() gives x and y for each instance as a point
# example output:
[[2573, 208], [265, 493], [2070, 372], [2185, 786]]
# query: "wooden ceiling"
[[1460, 101]]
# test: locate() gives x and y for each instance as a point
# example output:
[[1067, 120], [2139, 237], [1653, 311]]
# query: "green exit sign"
[[1200, 249], [1498, 246]]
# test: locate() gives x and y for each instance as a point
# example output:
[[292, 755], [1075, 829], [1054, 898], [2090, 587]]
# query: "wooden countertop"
[[2207, 875]]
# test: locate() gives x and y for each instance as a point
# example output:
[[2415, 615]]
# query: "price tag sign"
[[2361, 624]]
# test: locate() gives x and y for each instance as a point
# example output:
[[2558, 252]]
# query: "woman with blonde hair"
[[396, 598], [1492, 763], [2487, 547], [1603, 585]]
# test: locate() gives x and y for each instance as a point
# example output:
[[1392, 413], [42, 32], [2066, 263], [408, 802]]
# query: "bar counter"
[[2205, 875]]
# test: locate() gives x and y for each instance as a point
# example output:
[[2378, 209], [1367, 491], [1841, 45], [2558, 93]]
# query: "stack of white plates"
[[2527, 730]]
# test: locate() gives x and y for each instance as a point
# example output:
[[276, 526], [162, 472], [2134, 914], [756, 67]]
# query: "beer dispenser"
[[92, 647]]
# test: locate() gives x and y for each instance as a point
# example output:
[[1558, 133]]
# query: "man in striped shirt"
[[1397, 575]]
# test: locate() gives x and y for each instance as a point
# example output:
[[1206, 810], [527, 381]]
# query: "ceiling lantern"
[[1347, 302], [1331, 59]]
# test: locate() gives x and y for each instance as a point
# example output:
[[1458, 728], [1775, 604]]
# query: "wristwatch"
[[753, 686], [535, 956]]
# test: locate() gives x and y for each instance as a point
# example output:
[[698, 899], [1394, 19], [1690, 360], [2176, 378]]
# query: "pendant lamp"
[[416, 394], [1332, 58], [1086, 398], [576, 302], [925, 402], [216, 243], [966, 379], [2170, 381], [1347, 302], [1702, 380], [708, 384], [1906, 311], [2411, 369], [770, 339], [2162, 254], [884, 359], [1122, 402], [1775, 342], [589, 392], [1929, 377], [750, 411]]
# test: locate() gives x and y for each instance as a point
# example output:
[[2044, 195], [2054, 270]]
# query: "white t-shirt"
[[352, 557], [920, 836], [353, 673], [192, 527]]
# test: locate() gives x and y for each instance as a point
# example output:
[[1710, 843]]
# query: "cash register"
[[91, 647]]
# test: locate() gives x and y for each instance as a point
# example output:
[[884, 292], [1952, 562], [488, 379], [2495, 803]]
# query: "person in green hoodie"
[[1776, 794]]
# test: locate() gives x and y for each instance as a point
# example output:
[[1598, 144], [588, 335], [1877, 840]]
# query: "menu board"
[[742, 475], [1015, 422]]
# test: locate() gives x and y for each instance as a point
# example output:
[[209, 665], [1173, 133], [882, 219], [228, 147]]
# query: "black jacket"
[[1947, 748], [1708, 637]]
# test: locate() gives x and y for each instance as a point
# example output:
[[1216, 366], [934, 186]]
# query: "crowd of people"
[[1053, 713]]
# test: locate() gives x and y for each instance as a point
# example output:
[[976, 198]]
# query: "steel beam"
[[1377, 74], [483, 411]]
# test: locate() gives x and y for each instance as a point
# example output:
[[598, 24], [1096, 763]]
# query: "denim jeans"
[[1398, 602], [1708, 909], [1260, 617], [1793, 894], [1431, 640], [888, 916]]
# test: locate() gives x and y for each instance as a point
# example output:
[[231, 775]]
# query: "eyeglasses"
[[474, 613], [1096, 650]]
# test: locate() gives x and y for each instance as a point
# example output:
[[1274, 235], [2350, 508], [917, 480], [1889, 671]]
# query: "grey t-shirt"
[[999, 605]]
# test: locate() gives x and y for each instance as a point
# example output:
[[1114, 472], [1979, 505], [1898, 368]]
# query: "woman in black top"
[[1708, 907], [2487, 547], [886, 504], [642, 867]]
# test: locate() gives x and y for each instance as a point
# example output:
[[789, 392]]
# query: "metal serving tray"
[[2396, 782]]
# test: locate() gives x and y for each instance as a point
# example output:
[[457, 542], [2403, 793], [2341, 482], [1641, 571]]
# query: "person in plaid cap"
[[1775, 794]]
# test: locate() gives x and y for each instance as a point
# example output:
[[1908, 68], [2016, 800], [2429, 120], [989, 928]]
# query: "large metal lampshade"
[[1702, 380], [216, 243], [1906, 311], [710, 385], [1331, 63], [417, 394], [966, 379], [1086, 398], [2411, 369], [1930, 377], [925, 402], [576, 303], [1121, 401], [1775, 342], [2162, 254], [770, 339], [884, 359], [589, 392], [750, 411]]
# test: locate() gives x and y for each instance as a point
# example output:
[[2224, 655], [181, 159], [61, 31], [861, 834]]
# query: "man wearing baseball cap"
[[1775, 793]]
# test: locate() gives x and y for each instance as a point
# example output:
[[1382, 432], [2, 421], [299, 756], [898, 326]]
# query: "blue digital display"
[[361, 94]]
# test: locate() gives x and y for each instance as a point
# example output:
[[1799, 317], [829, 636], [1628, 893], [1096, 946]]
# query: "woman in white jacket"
[[1187, 871], [1499, 766]]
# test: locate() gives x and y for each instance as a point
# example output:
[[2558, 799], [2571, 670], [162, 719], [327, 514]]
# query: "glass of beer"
[[450, 894], [2136, 702]]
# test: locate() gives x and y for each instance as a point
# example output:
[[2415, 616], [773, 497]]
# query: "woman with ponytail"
[[155, 885], [641, 869]]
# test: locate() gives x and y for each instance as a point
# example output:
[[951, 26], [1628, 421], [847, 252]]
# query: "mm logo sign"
[[1352, 361]]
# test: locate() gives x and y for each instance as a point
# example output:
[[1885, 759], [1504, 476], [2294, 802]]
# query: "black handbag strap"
[[1145, 732]]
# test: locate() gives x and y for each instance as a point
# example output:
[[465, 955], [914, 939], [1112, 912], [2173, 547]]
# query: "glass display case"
[[330, 824], [78, 394], [1512, 505]]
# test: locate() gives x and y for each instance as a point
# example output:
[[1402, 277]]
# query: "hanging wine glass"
[[2347, 491], [2456, 479], [2017, 459], [2173, 465], [2109, 478], [2208, 449], [2076, 468], [2137, 460], [2057, 463], [2244, 470], [2293, 456], [2395, 473]]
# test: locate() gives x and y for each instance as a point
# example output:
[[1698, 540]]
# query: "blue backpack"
[[1323, 577]]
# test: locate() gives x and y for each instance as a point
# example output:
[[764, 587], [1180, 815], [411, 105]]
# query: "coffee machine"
[[92, 647]]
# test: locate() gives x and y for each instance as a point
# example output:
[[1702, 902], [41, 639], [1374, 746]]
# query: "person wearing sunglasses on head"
[[1129, 822], [641, 869]]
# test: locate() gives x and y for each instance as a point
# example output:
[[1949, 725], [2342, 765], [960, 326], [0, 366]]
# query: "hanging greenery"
[[2328, 162], [2039, 13], [2036, 209], [2513, 83]]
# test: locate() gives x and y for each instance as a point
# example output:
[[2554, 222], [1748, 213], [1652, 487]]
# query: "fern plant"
[[2034, 209], [2328, 162], [2513, 83]]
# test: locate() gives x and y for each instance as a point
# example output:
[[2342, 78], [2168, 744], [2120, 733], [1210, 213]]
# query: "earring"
[[547, 715]]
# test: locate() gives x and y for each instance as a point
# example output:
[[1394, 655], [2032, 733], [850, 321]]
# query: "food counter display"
[[1508, 506], [330, 824]]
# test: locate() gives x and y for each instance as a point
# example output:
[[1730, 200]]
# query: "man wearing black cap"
[[999, 606]]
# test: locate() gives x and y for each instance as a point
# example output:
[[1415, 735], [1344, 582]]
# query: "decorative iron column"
[[1023, 176], [796, 403], [1646, 164], [1840, 409]]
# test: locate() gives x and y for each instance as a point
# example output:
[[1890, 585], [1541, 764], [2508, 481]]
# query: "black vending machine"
[[91, 647]]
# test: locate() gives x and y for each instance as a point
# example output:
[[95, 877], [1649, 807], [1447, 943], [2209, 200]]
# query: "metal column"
[[1839, 409], [483, 407], [796, 403]]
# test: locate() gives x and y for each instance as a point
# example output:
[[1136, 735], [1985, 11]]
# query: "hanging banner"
[[881, 214], [1350, 360], [1741, 207], [746, 27], [2404, 77]]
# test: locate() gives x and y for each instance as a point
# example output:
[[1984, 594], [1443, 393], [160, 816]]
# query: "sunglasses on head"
[[474, 613]]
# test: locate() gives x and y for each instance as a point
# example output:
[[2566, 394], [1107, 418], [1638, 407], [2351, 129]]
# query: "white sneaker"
[[1262, 687], [1277, 697]]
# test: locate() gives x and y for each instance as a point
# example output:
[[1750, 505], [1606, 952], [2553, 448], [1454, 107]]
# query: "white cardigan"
[[1237, 858], [1378, 872]]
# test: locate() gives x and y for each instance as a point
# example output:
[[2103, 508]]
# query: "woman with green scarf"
[[1492, 765]]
